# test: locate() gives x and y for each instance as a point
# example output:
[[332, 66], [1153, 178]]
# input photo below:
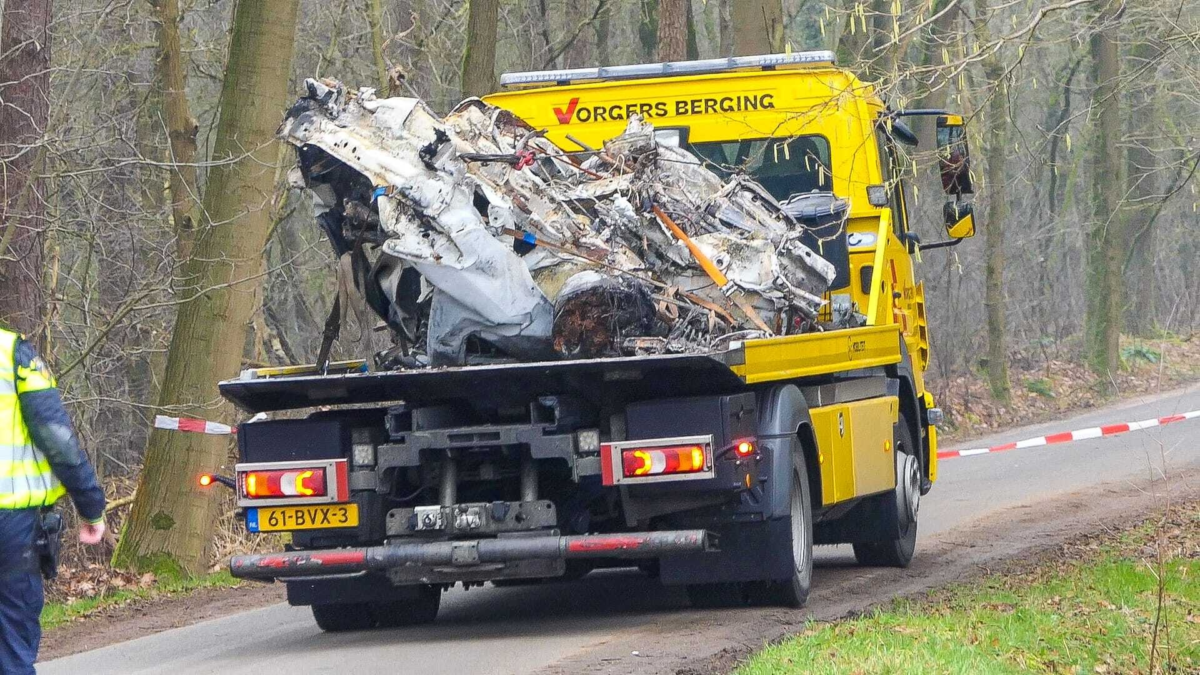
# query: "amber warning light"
[[207, 480]]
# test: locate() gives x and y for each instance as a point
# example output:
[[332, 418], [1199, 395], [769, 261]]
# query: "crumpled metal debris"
[[482, 237]]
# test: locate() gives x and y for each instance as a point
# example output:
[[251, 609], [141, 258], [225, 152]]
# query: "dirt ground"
[[689, 646], [140, 618], [694, 648]]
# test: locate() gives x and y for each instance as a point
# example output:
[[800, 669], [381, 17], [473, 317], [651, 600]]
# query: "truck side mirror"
[[960, 220], [953, 155]]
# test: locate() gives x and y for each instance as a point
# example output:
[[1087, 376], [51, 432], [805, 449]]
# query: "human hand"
[[91, 534]]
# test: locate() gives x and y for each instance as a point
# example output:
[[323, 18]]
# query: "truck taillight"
[[296, 482], [657, 459], [303, 482], [664, 460]]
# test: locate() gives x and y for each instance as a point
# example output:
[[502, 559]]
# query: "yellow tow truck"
[[717, 471]]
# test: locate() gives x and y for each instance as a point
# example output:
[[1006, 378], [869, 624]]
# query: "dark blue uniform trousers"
[[20, 592]]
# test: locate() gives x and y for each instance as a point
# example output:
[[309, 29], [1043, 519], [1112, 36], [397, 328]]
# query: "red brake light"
[[744, 449], [657, 461], [284, 483]]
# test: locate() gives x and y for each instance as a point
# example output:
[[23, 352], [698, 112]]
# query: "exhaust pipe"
[[343, 561]]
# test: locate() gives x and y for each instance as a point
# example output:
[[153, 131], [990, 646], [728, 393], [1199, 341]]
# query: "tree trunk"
[[757, 27], [647, 29], [997, 211], [603, 29], [854, 35], [375, 23], [997, 216], [181, 127], [479, 59], [1142, 313], [24, 113], [725, 27], [1104, 282], [693, 40], [172, 522], [672, 30]]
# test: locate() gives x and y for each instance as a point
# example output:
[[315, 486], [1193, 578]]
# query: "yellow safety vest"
[[26, 480]]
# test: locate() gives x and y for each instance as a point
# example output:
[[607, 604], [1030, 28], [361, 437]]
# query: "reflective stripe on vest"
[[26, 478]]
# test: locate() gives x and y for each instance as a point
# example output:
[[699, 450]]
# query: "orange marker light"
[[301, 487], [643, 465], [205, 480]]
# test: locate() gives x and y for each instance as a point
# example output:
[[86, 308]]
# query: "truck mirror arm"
[[949, 243], [918, 111]]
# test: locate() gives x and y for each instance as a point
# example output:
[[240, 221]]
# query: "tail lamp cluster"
[[273, 483], [284, 483], [664, 459]]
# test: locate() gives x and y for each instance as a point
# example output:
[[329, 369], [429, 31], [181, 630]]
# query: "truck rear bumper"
[[465, 555]]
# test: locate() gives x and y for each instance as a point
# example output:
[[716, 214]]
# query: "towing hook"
[[207, 479]]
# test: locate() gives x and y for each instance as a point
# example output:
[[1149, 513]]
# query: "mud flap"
[[364, 588], [746, 552]]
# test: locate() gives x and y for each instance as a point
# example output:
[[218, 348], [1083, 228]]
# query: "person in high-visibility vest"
[[40, 460]]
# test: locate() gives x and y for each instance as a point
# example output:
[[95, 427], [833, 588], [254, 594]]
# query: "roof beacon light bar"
[[641, 70]]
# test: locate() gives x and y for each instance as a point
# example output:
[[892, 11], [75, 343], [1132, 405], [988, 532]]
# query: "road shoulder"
[[703, 643], [143, 617]]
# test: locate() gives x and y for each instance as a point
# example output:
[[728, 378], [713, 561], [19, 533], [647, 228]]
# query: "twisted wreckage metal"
[[475, 238]]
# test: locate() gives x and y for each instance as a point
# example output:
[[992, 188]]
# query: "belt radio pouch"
[[48, 542]]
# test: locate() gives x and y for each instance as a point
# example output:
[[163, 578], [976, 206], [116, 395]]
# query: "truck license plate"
[[271, 519]]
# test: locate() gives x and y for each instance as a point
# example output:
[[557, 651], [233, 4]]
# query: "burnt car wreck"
[[476, 239]]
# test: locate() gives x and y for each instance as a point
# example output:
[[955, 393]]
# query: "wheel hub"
[[799, 543], [908, 487]]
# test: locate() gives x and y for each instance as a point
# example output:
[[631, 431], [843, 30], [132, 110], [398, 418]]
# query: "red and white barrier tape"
[[1079, 435], [196, 426], [192, 425]]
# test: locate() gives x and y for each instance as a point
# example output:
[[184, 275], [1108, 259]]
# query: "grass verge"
[[56, 613], [1124, 602]]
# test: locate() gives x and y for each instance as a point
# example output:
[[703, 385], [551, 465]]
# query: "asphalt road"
[[527, 629]]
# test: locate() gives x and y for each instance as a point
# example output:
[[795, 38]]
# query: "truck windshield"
[[783, 166]]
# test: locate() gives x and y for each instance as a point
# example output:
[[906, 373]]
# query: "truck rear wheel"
[[717, 596], [790, 592], [793, 592], [343, 617], [420, 607], [897, 511]]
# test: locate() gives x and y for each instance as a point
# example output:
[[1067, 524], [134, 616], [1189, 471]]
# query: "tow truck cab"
[[719, 471]]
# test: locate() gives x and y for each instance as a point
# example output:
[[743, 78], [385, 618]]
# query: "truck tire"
[[343, 617], [793, 592], [897, 511], [420, 609], [717, 596]]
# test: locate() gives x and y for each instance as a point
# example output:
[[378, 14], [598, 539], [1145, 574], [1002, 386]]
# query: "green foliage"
[[1139, 351], [1041, 386], [1096, 616], [57, 613]]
